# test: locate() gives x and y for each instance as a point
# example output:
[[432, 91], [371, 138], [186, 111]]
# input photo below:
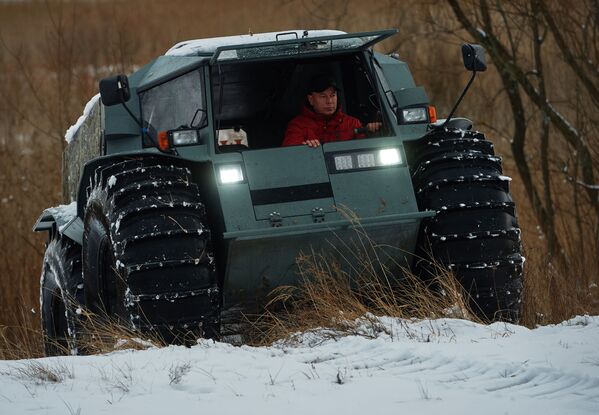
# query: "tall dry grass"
[[339, 304], [356, 282], [52, 54]]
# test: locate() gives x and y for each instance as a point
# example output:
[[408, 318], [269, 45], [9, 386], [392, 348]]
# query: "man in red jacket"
[[321, 121]]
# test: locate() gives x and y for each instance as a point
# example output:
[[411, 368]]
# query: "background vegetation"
[[538, 102]]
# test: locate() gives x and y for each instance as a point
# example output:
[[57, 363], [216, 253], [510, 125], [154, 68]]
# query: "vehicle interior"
[[254, 101]]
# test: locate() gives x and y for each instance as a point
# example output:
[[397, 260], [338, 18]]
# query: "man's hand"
[[373, 126], [312, 143]]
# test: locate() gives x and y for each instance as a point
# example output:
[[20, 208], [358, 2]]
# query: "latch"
[[318, 215], [275, 219]]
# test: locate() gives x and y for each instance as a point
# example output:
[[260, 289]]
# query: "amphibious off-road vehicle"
[[184, 203]]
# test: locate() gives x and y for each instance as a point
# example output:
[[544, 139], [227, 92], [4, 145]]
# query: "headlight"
[[344, 162], [184, 137], [366, 160], [389, 157], [410, 115], [230, 173], [360, 160]]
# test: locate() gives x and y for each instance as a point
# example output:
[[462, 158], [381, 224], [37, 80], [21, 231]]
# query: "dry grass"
[[105, 334], [553, 295], [20, 342], [346, 295], [96, 335], [39, 372], [330, 302]]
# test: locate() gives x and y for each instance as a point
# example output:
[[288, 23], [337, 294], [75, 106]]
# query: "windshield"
[[178, 103]]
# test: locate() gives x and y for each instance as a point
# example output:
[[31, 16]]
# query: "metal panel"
[[284, 167], [250, 278]]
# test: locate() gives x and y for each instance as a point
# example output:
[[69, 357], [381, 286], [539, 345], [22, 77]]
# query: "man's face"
[[324, 102]]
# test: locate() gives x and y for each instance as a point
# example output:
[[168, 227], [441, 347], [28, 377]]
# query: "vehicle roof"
[[199, 47]]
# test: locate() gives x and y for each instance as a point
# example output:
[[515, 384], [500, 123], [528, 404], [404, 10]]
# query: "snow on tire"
[[147, 253], [475, 232], [61, 292]]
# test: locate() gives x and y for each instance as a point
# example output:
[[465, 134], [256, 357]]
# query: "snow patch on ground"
[[443, 366], [70, 133]]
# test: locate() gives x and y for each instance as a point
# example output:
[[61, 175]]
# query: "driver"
[[321, 120]]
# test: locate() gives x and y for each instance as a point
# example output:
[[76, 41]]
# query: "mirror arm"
[[144, 132], [459, 100]]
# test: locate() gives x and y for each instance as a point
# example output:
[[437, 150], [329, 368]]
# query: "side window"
[[174, 104]]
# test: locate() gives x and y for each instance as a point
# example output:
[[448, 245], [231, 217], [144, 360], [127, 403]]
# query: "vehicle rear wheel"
[[147, 251], [475, 233], [61, 292]]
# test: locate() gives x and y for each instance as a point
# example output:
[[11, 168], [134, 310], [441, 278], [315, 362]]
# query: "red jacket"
[[325, 128]]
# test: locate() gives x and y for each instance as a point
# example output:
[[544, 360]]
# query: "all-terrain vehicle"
[[184, 204]]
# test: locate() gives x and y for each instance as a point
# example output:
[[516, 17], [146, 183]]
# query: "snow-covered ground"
[[429, 367]]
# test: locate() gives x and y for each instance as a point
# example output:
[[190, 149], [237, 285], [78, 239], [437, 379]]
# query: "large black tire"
[[61, 292], [475, 233], [147, 253]]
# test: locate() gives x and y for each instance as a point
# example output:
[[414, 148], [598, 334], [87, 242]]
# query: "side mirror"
[[474, 57], [115, 90]]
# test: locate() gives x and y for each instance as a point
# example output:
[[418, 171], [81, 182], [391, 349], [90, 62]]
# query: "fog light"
[[389, 156], [414, 115], [344, 162], [231, 173], [366, 160], [184, 137]]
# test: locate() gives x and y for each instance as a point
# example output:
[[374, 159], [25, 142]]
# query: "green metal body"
[[260, 225]]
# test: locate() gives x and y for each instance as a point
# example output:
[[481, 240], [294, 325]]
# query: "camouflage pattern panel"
[[86, 144]]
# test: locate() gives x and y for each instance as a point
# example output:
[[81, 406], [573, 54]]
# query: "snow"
[[63, 214], [444, 366], [209, 45], [70, 134]]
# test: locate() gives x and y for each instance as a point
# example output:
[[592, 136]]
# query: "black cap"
[[321, 82]]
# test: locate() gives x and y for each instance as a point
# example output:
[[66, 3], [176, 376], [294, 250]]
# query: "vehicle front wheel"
[[475, 233], [147, 251]]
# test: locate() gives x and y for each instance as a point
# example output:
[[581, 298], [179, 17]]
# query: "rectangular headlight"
[[344, 162], [360, 160], [366, 160], [389, 157], [410, 115], [230, 173], [184, 137]]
